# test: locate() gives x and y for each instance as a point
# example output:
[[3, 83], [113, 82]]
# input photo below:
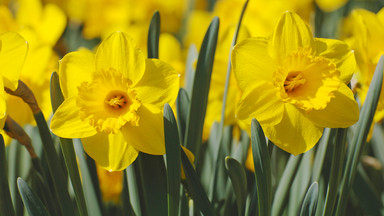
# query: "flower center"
[[293, 81], [117, 101], [306, 81], [108, 102]]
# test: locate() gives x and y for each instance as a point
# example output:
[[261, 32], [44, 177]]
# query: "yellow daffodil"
[[294, 84], [114, 101], [365, 31], [41, 25], [330, 5], [111, 184], [13, 50]]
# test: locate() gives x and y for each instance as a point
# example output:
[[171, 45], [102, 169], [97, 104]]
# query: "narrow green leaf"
[[91, 196], [337, 165], [172, 149], [196, 190], [367, 195], [199, 97], [281, 194], [320, 153], [31, 201], [68, 149], [358, 142], [6, 207], [127, 208], [262, 165], [153, 36], [300, 184], [190, 68], [182, 105], [134, 188], [239, 182], [54, 166], [154, 183], [377, 142], [310, 201]]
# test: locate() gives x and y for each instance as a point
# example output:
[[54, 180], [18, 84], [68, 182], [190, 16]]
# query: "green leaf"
[[134, 189], [337, 165], [182, 105], [91, 195], [153, 36], [328, 134], [172, 149], [199, 97], [356, 146], [54, 166], [310, 201], [194, 186], [281, 194], [190, 68], [300, 184], [6, 207], [31, 201], [239, 182], [262, 165], [68, 149], [154, 183], [367, 195]]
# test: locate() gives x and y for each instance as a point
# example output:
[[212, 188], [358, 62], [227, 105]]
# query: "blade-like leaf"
[[358, 142], [239, 182], [182, 105], [310, 201], [68, 149], [199, 97], [262, 165], [154, 183], [197, 192], [153, 36], [281, 194], [172, 148], [6, 207], [31, 201]]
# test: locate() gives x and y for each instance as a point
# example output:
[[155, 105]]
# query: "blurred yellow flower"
[[294, 84], [111, 184], [330, 5], [364, 32], [114, 101], [41, 26], [13, 50]]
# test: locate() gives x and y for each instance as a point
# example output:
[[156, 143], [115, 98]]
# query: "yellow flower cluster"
[[293, 83]]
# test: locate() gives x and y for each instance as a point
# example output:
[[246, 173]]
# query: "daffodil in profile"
[[13, 50], [295, 85], [114, 101]]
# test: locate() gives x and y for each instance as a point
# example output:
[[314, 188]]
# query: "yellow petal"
[[341, 112], [339, 53], [290, 33], [110, 151], [66, 122], [29, 12], [250, 62], [3, 104], [159, 84], [295, 133], [330, 5], [118, 51], [75, 68], [12, 56], [261, 102], [148, 137], [52, 25]]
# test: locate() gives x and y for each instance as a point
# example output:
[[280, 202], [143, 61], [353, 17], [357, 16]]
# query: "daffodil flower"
[[114, 101], [13, 50], [295, 85]]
